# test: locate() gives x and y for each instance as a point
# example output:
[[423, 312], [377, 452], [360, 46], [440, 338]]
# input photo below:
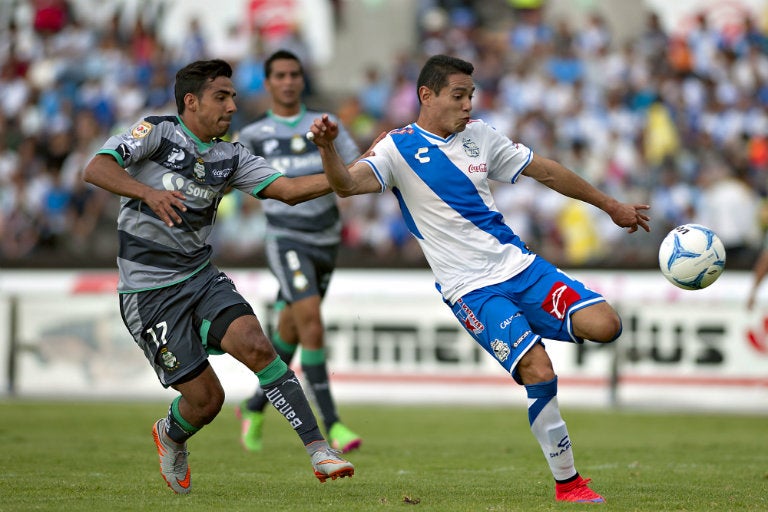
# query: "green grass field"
[[73, 456]]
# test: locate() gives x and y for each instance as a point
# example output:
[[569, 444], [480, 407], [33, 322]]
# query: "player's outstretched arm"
[[296, 190], [561, 179], [103, 171], [358, 178]]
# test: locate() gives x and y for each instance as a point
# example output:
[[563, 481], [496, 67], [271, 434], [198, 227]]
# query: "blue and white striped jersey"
[[445, 198]]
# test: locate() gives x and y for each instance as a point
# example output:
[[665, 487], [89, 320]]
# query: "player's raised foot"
[[251, 423], [173, 460], [577, 491], [343, 439], [327, 463]]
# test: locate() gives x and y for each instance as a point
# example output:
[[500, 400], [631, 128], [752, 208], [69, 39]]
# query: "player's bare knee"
[[599, 323], [535, 374], [608, 329], [204, 406], [258, 350], [535, 366]]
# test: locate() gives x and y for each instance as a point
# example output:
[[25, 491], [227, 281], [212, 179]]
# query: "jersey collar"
[[430, 135], [288, 121], [201, 146]]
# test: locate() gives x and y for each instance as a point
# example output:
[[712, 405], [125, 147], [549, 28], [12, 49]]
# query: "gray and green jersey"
[[283, 143], [162, 153]]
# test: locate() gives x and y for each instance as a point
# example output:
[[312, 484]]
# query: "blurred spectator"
[[403, 102], [375, 92], [729, 207], [194, 45], [274, 22], [673, 198], [50, 16]]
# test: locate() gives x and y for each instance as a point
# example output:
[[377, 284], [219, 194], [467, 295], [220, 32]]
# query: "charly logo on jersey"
[[420, 155], [500, 350], [198, 171], [470, 148], [298, 144]]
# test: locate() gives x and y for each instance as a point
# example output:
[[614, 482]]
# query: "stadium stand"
[[677, 119]]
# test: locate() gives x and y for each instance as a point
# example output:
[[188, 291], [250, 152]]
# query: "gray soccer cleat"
[[173, 460], [328, 464]]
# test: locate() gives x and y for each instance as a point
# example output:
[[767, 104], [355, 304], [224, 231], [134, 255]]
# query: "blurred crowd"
[[679, 121]]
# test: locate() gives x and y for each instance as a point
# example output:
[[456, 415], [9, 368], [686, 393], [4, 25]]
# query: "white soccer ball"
[[692, 257]]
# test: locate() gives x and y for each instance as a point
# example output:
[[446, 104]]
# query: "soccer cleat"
[[250, 428], [328, 464], [577, 491], [173, 460], [343, 439]]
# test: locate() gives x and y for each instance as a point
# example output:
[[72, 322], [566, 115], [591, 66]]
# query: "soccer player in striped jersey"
[[302, 244], [171, 173], [506, 296]]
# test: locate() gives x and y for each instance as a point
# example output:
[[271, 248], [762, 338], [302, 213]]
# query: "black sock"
[[317, 377], [288, 398]]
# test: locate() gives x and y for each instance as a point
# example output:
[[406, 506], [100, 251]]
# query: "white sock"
[[549, 428]]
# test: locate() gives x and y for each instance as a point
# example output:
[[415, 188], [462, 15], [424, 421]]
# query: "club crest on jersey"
[[559, 300], [298, 144], [199, 170], [168, 359], [141, 130], [470, 148], [500, 350], [468, 318]]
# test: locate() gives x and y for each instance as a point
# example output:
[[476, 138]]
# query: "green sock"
[[177, 427], [258, 401]]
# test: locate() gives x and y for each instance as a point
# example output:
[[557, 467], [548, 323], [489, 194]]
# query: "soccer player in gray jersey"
[[302, 244], [171, 173]]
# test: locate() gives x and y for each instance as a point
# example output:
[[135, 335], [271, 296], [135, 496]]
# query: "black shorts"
[[171, 324], [303, 270]]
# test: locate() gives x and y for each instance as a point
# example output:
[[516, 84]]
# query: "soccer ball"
[[692, 257]]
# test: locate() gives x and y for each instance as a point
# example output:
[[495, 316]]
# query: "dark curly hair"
[[435, 72], [196, 76]]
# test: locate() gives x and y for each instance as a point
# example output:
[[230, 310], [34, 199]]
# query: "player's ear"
[[425, 93], [190, 102]]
